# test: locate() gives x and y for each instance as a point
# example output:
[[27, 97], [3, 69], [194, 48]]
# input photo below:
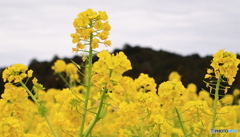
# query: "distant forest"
[[157, 64]]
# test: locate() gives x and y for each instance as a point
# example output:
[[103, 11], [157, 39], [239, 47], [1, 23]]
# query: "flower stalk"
[[181, 123], [39, 105], [215, 103], [97, 115], [88, 84]]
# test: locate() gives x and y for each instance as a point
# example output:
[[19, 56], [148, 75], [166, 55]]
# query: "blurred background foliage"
[[157, 64]]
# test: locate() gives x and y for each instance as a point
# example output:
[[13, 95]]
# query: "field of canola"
[[99, 101]]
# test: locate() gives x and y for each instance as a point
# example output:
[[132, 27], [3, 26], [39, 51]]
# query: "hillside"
[[158, 64]]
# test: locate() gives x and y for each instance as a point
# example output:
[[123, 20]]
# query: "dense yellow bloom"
[[84, 18], [227, 117], [91, 28], [59, 66], [224, 64], [145, 84], [11, 127], [170, 93], [128, 115], [13, 93], [108, 70], [16, 110], [195, 112], [16, 73], [107, 62]]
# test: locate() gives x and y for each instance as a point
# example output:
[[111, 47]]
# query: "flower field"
[[99, 101]]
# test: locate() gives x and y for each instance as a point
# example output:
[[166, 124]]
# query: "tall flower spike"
[[224, 64], [91, 25]]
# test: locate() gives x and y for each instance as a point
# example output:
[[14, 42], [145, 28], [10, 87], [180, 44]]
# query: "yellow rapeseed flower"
[[75, 38], [236, 92], [16, 73], [170, 93], [29, 73], [59, 66], [72, 72], [35, 80], [174, 75], [109, 68], [107, 43], [80, 45], [95, 42], [145, 84], [102, 36], [224, 64], [91, 28], [227, 99]]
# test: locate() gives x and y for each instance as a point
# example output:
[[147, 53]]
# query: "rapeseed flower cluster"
[[108, 70], [15, 110], [225, 64], [59, 66], [70, 70], [145, 84], [171, 93], [91, 28], [16, 73]]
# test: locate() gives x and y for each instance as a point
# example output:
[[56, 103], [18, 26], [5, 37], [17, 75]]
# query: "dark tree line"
[[157, 64]]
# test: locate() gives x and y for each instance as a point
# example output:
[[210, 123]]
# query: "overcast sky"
[[41, 29]]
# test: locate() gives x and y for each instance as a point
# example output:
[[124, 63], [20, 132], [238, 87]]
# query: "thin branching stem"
[[181, 123], [88, 83], [216, 98], [97, 115], [38, 104]]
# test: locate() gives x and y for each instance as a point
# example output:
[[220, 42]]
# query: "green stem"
[[216, 97], [181, 124], [35, 100], [141, 132], [97, 116], [51, 126], [70, 87], [88, 84], [64, 80], [29, 93]]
